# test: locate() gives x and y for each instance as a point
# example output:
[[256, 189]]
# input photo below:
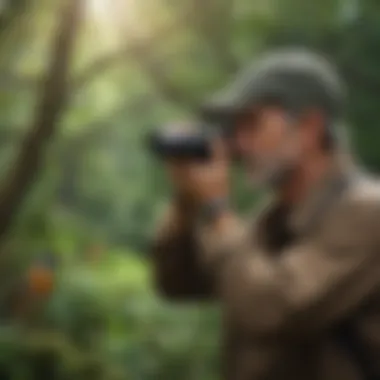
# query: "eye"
[[248, 122]]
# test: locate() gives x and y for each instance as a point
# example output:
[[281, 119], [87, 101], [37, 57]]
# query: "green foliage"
[[134, 70], [110, 308]]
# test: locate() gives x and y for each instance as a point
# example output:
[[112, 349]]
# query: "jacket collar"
[[317, 202], [323, 194]]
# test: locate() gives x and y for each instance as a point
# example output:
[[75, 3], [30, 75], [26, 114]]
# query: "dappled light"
[[112, 19], [82, 84]]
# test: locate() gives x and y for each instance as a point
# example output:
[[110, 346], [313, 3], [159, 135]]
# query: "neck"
[[305, 177]]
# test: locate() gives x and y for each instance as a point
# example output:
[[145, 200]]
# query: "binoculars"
[[193, 145]]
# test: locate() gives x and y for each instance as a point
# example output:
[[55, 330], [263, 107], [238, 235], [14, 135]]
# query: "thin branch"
[[101, 65], [95, 130], [162, 83], [99, 128], [104, 63], [146, 44], [158, 74], [211, 21], [9, 80], [72, 152], [48, 112]]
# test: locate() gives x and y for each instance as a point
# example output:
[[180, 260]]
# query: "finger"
[[175, 170], [182, 173], [177, 165], [220, 151]]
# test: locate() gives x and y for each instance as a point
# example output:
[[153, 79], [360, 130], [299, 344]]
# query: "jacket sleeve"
[[308, 288], [177, 271]]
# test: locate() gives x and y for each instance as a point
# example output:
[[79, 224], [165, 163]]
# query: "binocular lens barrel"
[[195, 145]]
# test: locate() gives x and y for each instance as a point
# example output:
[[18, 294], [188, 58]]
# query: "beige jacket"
[[283, 303]]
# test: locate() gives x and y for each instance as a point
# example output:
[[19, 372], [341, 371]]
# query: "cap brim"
[[223, 105]]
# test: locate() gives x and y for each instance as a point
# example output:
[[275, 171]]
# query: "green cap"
[[294, 78]]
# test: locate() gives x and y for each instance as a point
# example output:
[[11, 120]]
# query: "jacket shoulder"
[[357, 215], [364, 193]]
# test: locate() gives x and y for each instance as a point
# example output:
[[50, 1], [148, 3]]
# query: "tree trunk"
[[48, 112]]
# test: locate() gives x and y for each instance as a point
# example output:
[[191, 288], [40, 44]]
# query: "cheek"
[[269, 137], [265, 139]]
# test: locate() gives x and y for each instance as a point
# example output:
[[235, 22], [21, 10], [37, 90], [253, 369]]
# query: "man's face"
[[270, 144]]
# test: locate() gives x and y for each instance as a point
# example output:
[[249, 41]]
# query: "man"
[[300, 284]]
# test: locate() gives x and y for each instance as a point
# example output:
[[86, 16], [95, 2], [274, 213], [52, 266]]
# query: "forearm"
[[253, 288], [176, 252]]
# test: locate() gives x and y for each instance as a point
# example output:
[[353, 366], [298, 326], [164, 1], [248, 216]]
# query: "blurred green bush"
[[105, 322]]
